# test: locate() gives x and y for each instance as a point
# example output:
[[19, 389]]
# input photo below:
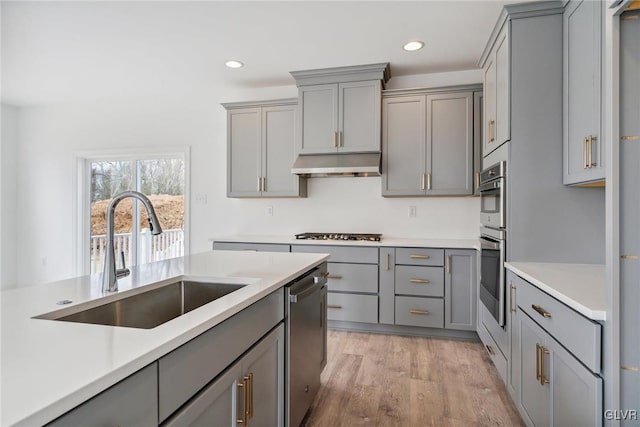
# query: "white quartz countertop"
[[582, 287], [49, 366], [386, 241]]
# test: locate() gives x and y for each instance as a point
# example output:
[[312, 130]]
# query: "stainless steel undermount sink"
[[149, 309]]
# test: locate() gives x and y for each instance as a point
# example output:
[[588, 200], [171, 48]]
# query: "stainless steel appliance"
[[492, 275], [306, 341], [493, 217], [492, 196], [340, 236]]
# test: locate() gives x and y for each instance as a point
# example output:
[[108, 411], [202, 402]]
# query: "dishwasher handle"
[[305, 291]]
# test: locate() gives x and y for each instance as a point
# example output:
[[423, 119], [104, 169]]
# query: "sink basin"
[[155, 307]]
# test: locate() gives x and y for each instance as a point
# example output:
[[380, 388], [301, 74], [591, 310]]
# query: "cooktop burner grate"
[[340, 236]]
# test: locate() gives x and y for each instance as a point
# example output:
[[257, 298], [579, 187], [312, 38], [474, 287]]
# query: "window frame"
[[82, 185]]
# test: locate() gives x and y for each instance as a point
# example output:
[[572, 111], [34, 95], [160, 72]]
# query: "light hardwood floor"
[[388, 380]]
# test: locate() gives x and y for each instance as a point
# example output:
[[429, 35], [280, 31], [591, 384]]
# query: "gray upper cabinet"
[[497, 109], [583, 148], [340, 117], [261, 144], [340, 108], [428, 144]]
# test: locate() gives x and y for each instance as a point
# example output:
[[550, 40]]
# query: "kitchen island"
[[49, 367]]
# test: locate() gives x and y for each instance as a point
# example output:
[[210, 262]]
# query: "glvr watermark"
[[621, 414]]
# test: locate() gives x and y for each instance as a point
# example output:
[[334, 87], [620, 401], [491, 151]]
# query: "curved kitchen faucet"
[[111, 274]]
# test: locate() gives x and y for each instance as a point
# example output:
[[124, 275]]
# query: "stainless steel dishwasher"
[[306, 326]]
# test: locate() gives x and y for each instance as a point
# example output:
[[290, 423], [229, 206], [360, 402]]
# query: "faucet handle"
[[124, 271]]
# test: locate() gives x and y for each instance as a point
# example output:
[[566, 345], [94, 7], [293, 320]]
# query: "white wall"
[[8, 196], [50, 135]]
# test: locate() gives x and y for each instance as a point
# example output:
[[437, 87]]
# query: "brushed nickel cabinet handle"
[[423, 185], [490, 128], [388, 261], [585, 163], [335, 139], [325, 274], [538, 362], [334, 276], [419, 281], [340, 139], [490, 350], [250, 393], [592, 138], [334, 306], [477, 180], [630, 368], [243, 386], [448, 264], [512, 307], [414, 256], [543, 380], [422, 312], [429, 181], [540, 310]]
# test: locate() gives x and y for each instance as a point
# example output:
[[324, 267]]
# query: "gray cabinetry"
[[554, 371], [340, 117], [629, 214], [250, 391], [352, 282], [460, 289], [261, 143], [386, 275], [131, 402], [497, 109], [428, 144], [583, 141]]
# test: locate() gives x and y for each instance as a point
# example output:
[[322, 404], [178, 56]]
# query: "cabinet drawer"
[[419, 256], [494, 352], [417, 311], [420, 281], [499, 334], [341, 253], [187, 369], [260, 247], [353, 278], [352, 308], [581, 336]]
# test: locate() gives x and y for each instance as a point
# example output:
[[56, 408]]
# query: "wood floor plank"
[[389, 380]]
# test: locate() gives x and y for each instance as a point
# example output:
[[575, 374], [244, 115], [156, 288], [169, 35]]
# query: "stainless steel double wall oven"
[[493, 219]]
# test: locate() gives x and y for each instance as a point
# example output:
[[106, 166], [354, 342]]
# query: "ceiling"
[[79, 51]]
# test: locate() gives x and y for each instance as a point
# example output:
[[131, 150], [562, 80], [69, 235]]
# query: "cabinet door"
[[583, 160], [450, 144], [359, 116], [279, 148], [244, 152], [460, 289], [513, 352], [131, 402], [535, 397], [216, 405], [478, 122], [386, 294], [263, 369], [503, 100], [488, 135], [319, 123], [404, 144]]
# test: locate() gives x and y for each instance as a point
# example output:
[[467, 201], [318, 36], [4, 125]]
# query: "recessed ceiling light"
[[234, 64], [414, 45]]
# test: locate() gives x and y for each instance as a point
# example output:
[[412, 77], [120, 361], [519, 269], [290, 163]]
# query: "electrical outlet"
[[269, 211], [201, 198], [412, 211]]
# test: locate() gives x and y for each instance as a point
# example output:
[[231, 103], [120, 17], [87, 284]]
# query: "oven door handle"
[[488, 244], [490, 186]]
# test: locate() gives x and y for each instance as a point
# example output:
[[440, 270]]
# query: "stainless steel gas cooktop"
[[340, 236]]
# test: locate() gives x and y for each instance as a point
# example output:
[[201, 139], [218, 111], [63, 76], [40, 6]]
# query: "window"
[[162, 178]]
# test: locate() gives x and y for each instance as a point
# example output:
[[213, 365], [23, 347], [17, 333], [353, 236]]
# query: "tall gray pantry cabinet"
[[261, 144], [629, 213]]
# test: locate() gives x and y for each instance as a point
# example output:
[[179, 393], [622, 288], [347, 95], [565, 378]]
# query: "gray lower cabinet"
[[460, 289], [629, 214], [554, 367], [251, 392], [583, 142], [352, 282], [131, 402], [247, 246], [556, 389], [261, 144], [428, 144]]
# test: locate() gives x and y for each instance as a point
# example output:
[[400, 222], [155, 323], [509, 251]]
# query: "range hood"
[[338, 164]]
